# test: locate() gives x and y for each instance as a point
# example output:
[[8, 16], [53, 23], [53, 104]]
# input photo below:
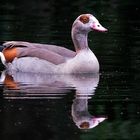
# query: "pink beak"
[[98, 27]]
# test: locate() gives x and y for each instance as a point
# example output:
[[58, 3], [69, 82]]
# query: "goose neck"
[[80, 40]]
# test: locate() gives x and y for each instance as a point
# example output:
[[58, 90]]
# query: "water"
[[61, 106]]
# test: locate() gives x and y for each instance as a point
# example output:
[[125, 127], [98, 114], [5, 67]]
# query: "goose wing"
[[54, 48], [52, 53]]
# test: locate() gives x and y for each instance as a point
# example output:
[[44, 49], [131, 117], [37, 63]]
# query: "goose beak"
[[98, 27]]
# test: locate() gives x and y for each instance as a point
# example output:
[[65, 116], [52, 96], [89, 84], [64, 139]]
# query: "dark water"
[[54, 106]]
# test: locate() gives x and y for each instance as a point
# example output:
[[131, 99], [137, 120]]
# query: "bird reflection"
[[81, 116], [21, 85]]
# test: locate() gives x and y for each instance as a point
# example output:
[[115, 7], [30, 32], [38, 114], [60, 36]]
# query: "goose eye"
[[84, 19]]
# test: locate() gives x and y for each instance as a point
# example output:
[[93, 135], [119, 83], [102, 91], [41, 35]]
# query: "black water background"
[[117, 95]]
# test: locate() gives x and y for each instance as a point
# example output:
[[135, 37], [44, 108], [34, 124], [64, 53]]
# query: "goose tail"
[[2, 57]]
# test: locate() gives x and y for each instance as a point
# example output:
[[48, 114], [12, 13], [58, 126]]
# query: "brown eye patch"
[[84, 19], [84, 125]]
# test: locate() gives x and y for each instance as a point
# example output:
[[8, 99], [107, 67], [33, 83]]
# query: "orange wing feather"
[[10, 54]]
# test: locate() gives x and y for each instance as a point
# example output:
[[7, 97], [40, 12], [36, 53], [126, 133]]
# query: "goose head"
[[80, 29], [86, 23]]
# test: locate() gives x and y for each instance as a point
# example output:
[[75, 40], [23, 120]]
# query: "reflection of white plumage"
[[81, 116], [41, 58], [42, 86], [84, 83]]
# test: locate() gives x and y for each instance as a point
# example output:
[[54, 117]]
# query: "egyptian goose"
[[44, 58]]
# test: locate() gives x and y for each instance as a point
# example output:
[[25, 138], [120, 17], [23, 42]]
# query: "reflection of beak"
[[98, 27], [99, 119]]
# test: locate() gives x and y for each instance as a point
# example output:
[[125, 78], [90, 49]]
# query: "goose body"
[[44, 58]]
